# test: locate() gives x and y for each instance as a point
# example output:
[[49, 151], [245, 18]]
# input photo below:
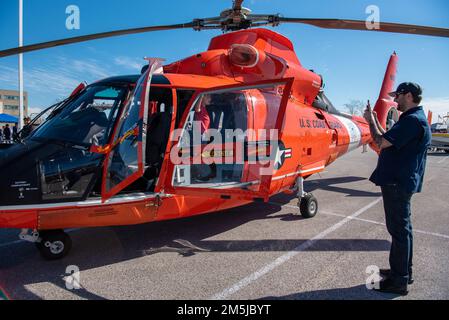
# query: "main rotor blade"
[[362, 25], [61, 42]]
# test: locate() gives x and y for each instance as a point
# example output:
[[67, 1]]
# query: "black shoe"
[[387, 286], [386, 273]]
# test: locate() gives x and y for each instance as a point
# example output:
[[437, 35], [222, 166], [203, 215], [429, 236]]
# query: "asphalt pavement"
[[258, 251]]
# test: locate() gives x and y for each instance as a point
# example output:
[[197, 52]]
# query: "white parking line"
[[383, 224], [371, 221], [442, 160], [284, 258], [10, 243]]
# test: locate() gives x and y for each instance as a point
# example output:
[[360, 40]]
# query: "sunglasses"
[[397, 94]]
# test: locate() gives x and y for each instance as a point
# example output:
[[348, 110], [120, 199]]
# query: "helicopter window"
[[29, 128], [67, 174], [221, 147], [215, 119], [124, 158], [87, 119], [323, 102], [158, 131]]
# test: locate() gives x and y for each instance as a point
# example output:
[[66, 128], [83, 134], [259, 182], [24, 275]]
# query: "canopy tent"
[[6, 118]]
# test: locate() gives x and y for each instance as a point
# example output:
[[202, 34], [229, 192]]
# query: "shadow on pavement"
[[21, 264], [359, 292]]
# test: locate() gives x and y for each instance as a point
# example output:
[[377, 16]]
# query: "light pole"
[[21, 111]]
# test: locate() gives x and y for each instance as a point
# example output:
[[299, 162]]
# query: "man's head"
[[408, 95]]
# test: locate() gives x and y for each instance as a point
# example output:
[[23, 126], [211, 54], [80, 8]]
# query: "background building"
[[9, 102]]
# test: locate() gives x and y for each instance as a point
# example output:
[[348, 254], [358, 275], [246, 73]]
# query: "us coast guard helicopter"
[[162, 145]]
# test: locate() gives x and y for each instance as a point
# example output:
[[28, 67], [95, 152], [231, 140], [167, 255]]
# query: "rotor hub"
[[235, 19], [233, 12]]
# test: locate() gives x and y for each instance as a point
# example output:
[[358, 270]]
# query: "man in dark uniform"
[[14, 130], [399, 173], [7, 132]]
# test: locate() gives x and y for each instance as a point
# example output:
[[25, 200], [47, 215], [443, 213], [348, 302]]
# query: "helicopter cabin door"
[[125, 155], [228, 140]]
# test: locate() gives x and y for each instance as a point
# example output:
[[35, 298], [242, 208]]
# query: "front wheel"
[[54, 244], [308, 206]]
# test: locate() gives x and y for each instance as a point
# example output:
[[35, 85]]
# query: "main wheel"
[[54, 244], [308, 206]]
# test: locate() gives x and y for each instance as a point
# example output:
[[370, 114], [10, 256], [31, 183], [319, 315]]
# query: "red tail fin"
[[429, 117], [385, 103], [385, 106]]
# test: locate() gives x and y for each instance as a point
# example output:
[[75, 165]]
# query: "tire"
[[308, 206], [446, 150], [54, 244]]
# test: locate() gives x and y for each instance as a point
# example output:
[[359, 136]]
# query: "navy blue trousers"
[[399, 225]]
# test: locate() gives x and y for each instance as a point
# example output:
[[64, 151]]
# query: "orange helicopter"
[[238, 123]]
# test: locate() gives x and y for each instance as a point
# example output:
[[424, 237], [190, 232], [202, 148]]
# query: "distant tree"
[[355, 107]]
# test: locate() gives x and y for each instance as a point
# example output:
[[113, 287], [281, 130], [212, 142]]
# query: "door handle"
[[157, 202]]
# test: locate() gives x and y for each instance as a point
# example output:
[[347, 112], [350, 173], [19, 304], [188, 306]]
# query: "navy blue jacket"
[[403, 164]]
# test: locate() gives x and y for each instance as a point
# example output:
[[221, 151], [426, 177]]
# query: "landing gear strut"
[[53, 244], [307, 203]]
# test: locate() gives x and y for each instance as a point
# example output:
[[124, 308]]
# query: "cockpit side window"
[[323, 102], [86, 120]]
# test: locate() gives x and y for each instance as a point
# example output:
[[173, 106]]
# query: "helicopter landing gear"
[[307, 203], [54, 244]]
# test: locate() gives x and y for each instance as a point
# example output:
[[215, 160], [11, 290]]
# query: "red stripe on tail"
[[429, 117], [385, 103]]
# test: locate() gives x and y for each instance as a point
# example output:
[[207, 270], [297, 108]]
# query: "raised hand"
[[368, 114]]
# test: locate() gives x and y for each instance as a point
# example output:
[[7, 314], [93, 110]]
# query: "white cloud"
[[34, 111], [131, 63], [50, 80], [8, 76], [90, 67], [55, 79], [438, 106]]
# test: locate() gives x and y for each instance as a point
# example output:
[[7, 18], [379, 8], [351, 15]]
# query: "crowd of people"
[[7, 132]]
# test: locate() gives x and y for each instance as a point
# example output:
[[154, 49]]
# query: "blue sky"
[[352, 62]]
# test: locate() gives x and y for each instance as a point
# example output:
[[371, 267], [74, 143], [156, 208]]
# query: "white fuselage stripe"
[[355, 135], [82, 204], [297, 172]]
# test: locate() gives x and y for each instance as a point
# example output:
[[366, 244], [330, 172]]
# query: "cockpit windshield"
[[86, 120]]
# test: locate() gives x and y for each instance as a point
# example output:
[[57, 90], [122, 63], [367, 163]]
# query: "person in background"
[[7, 132], [14, 130], [202, 115]]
